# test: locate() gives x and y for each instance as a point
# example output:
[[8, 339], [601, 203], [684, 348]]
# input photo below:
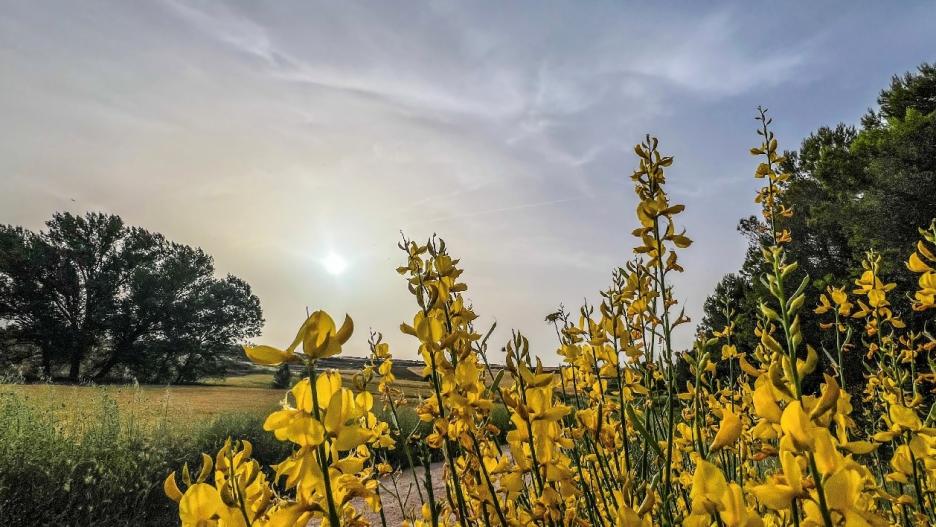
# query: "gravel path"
[[407, 488]]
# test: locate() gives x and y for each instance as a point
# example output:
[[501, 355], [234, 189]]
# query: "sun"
[[334, 264]]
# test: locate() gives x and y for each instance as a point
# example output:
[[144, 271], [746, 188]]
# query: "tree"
[[282, 376], [29, 306], [94, 294], [852, 190]]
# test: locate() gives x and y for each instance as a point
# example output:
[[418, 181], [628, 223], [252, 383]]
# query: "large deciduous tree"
[[91, 294]]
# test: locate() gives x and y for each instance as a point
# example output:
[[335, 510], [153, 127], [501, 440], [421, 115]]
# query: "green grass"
[[97, 456], [147, 405]]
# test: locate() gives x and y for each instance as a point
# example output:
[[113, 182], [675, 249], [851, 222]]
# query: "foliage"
[[96, 295], [282, 377], [629, 431], [852, 190]]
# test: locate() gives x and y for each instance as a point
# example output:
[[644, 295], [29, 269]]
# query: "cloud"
[[273, 133], [226, 25]]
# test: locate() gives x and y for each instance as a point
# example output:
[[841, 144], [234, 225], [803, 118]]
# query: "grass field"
[[97, 455], [250, 394], [149, 404]]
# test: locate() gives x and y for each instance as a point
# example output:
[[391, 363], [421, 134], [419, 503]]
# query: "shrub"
[[282, 377]]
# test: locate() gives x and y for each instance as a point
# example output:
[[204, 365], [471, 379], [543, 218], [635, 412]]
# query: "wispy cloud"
[[500, 210], [270, 133]]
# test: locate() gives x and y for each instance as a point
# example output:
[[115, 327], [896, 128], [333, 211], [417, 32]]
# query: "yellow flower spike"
[[318, 337], [199, 505], [729, 351], [824, 305], [877, 298], [728, 431], [796, 425]]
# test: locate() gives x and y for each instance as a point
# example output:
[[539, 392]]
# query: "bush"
[[107, 470], [282, 377]]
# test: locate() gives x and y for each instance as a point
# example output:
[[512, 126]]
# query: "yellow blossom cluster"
[[627, 430]]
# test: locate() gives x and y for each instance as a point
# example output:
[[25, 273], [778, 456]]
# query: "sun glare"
[[334, 264]]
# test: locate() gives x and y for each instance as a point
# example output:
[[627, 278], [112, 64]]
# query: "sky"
[[293, 140]]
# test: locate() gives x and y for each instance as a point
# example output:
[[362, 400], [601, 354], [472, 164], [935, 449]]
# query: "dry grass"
[[151, 404], [250, 394]]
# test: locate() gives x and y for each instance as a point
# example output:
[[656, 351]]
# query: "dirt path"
[[408, 495]]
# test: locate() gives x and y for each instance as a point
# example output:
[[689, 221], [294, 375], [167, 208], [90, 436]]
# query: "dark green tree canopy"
[[94, 296], [852, 190]]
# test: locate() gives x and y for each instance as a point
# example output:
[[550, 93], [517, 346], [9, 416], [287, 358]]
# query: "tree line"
[[853, 189], [91, 298]]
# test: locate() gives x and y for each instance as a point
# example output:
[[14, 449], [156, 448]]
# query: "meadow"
[[152, 405], [98, 455]]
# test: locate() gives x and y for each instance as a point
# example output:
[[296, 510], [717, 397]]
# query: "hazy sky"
[[275, 134]]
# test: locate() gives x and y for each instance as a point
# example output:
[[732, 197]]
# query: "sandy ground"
[[407, 489]]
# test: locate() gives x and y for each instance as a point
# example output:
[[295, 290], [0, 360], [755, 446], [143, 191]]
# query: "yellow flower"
[[903, 418], [778, 493], [844, 494], [199, 506], [736, 513], [729, 351], [297, 424], [318, 336], [627, 517], [708, 489], [797, 427], [765, 404], [342, 419], [728, 431]]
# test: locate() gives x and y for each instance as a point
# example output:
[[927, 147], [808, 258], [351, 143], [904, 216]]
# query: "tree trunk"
[[46, 352], [74, 369], [107, 366], [79, 351], [46, 363]]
